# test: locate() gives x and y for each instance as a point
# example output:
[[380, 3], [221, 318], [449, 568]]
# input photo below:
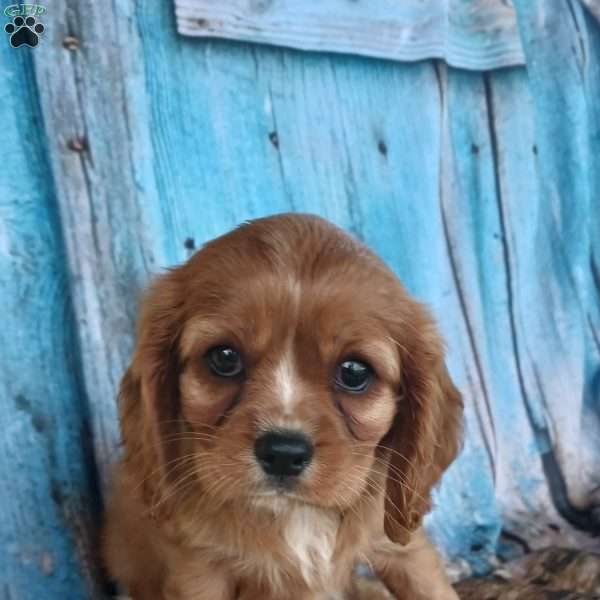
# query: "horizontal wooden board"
[[472, 34]]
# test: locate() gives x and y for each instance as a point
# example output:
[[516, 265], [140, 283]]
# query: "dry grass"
[[554, 574]]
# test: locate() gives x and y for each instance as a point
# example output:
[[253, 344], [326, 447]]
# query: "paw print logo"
[[24, 32]]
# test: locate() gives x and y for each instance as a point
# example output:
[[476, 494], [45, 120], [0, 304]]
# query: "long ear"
[[149, 392], [426, 434]]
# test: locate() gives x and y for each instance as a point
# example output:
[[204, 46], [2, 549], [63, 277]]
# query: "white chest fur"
[[310, 534]]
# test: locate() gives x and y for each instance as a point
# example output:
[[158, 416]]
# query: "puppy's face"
[[289, 385], [295, 363]]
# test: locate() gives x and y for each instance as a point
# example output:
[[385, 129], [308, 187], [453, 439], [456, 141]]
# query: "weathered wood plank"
[[103, 175], [49, 502], [474, 246], [479, 34], [594, 7], [563, 76], [547, 361]]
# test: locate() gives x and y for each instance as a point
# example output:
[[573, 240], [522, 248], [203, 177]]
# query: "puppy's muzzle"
[[283, 455]]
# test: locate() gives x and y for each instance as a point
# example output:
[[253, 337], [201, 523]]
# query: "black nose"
[[283, 454]]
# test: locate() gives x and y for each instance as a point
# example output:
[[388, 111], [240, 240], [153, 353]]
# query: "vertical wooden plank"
[[474, 243], [100, 158], [563, 70], [530, 263], [48, 504], [492, 142], [217, 160]]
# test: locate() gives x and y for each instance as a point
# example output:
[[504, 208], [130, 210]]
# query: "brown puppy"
[[286, 414]]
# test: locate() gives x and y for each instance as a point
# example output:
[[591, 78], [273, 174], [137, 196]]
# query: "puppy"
[[285, 416]]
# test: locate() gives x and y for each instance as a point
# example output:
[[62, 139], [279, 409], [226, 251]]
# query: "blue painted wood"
[[471, 34], [479, 190], [48, 503], [568, 398]]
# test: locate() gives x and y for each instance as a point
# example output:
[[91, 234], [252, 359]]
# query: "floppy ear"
[[426, 434], [149, 391]]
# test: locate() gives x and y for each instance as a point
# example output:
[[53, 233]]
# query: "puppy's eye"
[[353, 376], [225, 361]]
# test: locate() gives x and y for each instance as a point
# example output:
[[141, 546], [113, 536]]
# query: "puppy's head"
[[285, 363]]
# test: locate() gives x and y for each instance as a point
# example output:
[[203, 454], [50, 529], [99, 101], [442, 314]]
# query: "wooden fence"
[[125, 146]]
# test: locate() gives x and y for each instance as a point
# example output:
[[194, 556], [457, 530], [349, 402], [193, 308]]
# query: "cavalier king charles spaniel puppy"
[[285, 416]]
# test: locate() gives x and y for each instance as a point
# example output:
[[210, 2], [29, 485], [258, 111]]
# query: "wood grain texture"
[[480, 34], [479, 189], [594, 7], [564, 402], [49, 500], [101, 170]]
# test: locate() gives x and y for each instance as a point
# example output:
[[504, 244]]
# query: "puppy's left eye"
[[353, 376], [225, 361]]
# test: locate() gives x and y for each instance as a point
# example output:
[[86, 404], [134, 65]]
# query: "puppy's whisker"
[[362, 483], [160, 496], [176, 487], [378, 489], [183, 465], [389, 466], [186, 422], [400, 478], [347, 503], [388, 449], [215, 489], [194, 432], [180, 459], [381, 468], [402, 481], [185, 437]]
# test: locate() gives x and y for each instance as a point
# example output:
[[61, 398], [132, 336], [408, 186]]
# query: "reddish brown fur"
[[191, 517]]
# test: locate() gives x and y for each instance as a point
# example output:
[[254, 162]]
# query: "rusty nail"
[[71, 43], [77, 144], [47, 564]]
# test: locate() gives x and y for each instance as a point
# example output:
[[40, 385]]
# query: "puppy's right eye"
[[353, 376], [225, 361]]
